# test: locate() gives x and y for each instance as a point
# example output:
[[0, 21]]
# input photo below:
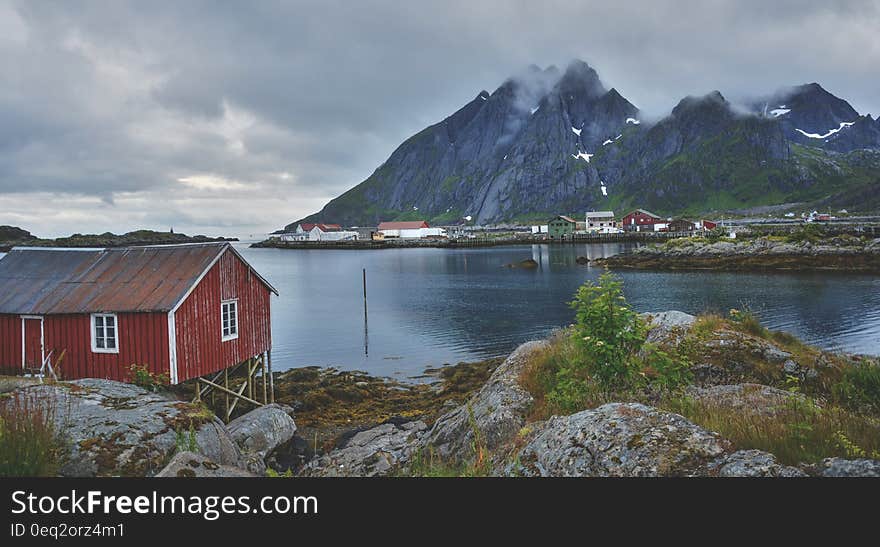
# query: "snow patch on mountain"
[[576, 131], [826, 135], [776, 112], [583, 155], [633, 121]]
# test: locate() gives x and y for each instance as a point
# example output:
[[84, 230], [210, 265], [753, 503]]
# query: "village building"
[[641, 220], [601, 222], [306, 231], [681, 225], [180, 311], [561, 227], [409, 229]]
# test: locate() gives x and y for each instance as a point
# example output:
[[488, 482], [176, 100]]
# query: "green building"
[[561, 227]]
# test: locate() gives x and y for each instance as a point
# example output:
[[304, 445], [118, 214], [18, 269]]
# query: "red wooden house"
[[641, 220], [181, 310]]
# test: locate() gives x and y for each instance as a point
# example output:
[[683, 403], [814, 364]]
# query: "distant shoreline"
[[625, 237], [21, 238]]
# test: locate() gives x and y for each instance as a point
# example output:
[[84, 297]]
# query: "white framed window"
[[229, 320], [105, 333]]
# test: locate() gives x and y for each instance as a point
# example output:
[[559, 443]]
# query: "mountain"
[[548, 141]]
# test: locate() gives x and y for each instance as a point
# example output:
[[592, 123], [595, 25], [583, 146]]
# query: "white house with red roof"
[[308, 231]]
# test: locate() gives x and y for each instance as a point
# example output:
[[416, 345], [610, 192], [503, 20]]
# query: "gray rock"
[[375, 452], [189, 464], [620, 440], [114, 428], [667, 326], [839, 467], [775, 355], [754, 463], [263, 429], [497, 411]]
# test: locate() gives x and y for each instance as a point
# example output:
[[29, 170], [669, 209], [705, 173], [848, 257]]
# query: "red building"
[[180, 310], [707, 225], [641, 220]]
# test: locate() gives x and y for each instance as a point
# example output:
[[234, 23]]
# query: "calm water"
[[428, 307]]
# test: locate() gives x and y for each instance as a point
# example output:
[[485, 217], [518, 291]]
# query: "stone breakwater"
[[835, 254]]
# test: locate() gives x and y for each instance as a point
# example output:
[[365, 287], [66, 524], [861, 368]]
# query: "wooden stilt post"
[[271, 379], [198, 391], [250, 377], [226, 392], [263, 374]]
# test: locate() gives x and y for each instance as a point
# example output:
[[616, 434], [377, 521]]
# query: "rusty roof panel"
[[131, 279]]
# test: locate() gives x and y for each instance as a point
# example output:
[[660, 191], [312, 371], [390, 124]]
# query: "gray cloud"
[[238, 117]]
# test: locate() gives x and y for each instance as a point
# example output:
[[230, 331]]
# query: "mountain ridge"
[[548, 142]]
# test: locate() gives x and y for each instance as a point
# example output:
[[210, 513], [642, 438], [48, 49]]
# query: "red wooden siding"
[[200, 349], [10, 343], [33, 343], [142, 337], [143, 340]]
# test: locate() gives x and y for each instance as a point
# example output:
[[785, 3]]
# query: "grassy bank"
[[832, 407]]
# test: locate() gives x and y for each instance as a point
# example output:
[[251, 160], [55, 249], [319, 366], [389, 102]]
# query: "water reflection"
[[436, 306]]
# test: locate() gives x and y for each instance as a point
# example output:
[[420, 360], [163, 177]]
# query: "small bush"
[[859, 387], [607, 330], [141, 376], [30, 444]]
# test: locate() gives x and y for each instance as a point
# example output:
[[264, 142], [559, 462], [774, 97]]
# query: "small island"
[[11, 236], [806, 249]]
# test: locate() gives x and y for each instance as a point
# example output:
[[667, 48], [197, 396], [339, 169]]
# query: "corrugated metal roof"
[[45, 281]]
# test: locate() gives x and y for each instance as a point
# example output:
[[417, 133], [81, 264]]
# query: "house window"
[[105, 333], [229, 318]]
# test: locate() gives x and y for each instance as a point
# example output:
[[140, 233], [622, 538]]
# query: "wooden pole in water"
[[366, 336]]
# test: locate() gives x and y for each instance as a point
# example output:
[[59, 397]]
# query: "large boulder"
[[259, 432], [115, 429], [374, 452], [619, 440], [634, 440], [496, 412], [667, 326], [189, 464]]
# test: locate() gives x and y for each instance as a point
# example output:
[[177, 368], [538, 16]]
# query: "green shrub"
[[30, 443], [667, 370], [607, 330], [859, 387], [141, 376]]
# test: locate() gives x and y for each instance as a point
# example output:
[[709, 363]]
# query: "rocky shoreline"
[[844, 253], [478, 419]]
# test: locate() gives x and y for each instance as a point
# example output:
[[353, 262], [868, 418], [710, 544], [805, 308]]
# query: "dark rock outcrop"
[[497, 411], [375, 452], [634, 440], [262, 430]]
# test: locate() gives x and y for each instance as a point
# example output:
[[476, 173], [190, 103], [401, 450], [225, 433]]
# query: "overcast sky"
[[234, 118]]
